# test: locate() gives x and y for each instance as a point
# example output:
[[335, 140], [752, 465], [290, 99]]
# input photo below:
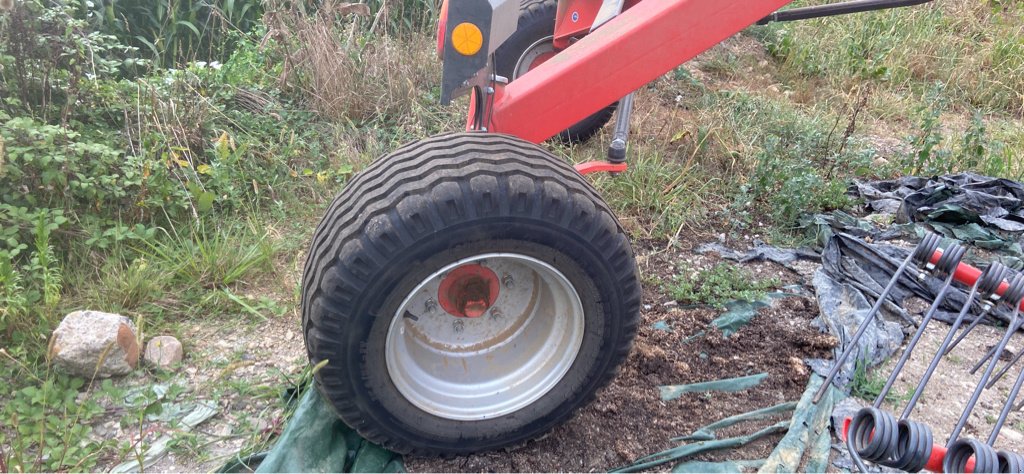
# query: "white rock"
[[163, 352], [88, 343]]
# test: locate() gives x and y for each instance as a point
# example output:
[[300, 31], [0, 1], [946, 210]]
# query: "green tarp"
[[316, 440]]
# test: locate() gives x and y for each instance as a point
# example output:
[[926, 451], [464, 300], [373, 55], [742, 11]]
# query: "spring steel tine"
[[938, 354], [988, 355], [1011, 328], [962, 335], [952, 255], [1010, 398], [1002, 372], [868, 319], [990, 286], [1014, 294]]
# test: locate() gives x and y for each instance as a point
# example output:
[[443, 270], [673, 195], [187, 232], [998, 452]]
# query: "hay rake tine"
[[986, 458], [1002, 372], [982, 282], [988, 355], [947, 264], [1016, 285], [967, 331], [921, 253]]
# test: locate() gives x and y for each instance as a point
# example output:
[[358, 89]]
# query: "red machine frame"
[[646, 41]]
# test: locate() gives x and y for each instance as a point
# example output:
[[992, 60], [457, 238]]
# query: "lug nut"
[[458, 325], [507, 280], [429, 305]]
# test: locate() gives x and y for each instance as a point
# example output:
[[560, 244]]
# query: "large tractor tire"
[[531, 45], [466, 292]]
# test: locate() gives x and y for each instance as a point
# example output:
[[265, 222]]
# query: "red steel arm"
[[644, 42]]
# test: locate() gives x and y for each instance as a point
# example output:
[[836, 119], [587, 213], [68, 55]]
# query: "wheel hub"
[[489, 346], [468, 291]]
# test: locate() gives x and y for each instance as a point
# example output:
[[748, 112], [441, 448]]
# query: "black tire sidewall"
[[401, 419]]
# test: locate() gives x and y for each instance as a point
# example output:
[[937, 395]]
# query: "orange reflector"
[[467, 39]]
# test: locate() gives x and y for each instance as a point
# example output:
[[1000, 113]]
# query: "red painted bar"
[[644, 42], [967, 275]]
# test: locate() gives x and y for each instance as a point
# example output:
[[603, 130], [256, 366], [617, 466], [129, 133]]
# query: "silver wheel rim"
[[538, 48], [481, 368]]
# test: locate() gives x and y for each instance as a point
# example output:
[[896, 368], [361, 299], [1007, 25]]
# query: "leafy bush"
[[176, 32], [50, 429], [935, 152]]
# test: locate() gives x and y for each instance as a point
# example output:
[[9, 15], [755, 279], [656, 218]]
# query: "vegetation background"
[[168, 159]]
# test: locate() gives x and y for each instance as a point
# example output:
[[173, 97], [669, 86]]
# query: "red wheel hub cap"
[[468, 291]]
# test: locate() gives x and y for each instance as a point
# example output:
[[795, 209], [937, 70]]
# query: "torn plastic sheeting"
[[869, 267], [717, 467], [708, 432], [686, 450], [201, 412], [955, 201], [809, 421], [984, 195], [739, 313], [842, 310], [316, 440], [761, 251], [821, 449], [821, 227], [672, 392]]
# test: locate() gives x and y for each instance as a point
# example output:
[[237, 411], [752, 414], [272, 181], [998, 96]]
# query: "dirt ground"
[[951, 386], [629, 420]]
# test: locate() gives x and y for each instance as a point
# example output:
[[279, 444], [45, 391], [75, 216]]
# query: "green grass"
[[719, 285], [867, 384], [211, 258], [973, 47]]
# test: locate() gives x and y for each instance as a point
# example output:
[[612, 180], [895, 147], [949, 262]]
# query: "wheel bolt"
[[429, 305], [496, 313], [458, 325], [507, 280]]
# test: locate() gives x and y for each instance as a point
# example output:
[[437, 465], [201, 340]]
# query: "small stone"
[[163, 352], [289, 336], [88, 343], [879, 162], [647, 307], [798, 366], [669, 304]]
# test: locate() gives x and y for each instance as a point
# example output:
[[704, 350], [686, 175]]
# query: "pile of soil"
[[629, 420]]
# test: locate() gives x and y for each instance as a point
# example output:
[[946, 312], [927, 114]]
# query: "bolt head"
[[458, 325]]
